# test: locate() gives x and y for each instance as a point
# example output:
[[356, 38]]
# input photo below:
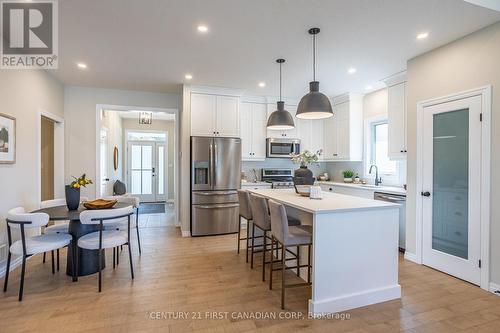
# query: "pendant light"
[[280, 119], [314, 105]]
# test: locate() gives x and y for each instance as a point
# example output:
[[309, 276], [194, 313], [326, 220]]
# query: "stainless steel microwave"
[[282, 147]]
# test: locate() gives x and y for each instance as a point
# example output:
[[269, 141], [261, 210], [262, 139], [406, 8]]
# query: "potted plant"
[[73, 191], [348, 176], [304, 176]]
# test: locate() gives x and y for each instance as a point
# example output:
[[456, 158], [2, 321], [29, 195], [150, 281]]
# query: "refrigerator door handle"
[[215, 193], [216, 163], [210, 164], [217, 206]]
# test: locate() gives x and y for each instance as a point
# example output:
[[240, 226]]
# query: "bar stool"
[[262, 220], [246, 213], [287, 237]]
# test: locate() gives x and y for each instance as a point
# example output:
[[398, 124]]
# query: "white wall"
[[113, 123], [157, 125], [467, 63], [23, 94], [80, 114]]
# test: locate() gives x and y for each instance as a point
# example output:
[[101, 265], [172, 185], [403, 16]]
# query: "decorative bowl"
[[303, 190], [99, 204]]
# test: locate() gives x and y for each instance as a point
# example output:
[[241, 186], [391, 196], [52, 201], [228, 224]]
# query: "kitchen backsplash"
[[334, 169]]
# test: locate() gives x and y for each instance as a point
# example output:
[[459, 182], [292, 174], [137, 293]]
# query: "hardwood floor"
[[176, 274]]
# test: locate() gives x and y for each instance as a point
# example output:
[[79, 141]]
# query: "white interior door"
[[141, 170], [161, 192], [451, 188]]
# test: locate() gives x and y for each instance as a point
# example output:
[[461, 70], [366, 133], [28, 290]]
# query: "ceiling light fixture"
[[280, 119], [145, 118], [314, 105], [81, 65], [202, 28], [422, 35], [352, 70], [262, 84], [188, 76]]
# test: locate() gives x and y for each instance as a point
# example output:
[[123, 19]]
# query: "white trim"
[[14, 263], [176, 112], [485, 93], [395, 79], [411, 257], [217, 91], [58, 154], [186, 233], [494, 288]]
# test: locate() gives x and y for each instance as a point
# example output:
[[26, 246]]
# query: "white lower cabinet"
[[348, 190], [253, 117]]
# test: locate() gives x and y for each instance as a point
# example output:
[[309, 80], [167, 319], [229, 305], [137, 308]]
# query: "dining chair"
[[122, 223], [262, 221], [288, 236], [58, 227], [105, 239], [26, 247], [246, 213]]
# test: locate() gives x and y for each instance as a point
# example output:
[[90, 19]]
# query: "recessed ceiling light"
[[369, 87], [202, 28], [262, 84], [352, 70], [423, 35], [81, 65], [188, 76]]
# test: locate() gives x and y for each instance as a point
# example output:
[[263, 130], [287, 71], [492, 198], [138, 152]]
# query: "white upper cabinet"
[[213, 115], [343, 133], [253, 117], [310, 133], [283, 134], [397, 120]]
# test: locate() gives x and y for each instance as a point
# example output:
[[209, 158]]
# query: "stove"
[[279, 178]]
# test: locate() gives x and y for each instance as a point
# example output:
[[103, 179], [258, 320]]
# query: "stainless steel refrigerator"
[[215, 177]]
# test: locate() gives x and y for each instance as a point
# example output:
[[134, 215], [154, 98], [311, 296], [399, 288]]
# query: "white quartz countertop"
[[384, 189], [247, 183], [331, 202]]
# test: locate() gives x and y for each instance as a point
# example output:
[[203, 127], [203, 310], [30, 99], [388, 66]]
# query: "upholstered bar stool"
[[262, 220], [288, 236], [246, 213]]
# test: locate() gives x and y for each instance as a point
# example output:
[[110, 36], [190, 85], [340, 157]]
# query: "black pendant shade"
[[280, 119], [314, 105]]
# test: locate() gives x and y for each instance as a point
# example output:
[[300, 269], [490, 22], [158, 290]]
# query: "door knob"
[[425, 194]]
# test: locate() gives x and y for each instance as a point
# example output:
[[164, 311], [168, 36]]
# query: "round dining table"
[[88, 260]]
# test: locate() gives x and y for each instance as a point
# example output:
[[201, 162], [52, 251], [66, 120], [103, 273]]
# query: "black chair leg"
[[117, 255], [74, 249], [57, 260], [298, 261], [53, 266], [264, 256], [130, 259], [7, 270], [21, 286], [114, 257], [137, 229], [138, 239], [248, 238], [309, 264], [253, 245], [239, 234], [100, 268], [271, 265], [44, 254], [283, 265]]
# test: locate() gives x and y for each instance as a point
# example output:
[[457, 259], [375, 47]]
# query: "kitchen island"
[[355, 248]]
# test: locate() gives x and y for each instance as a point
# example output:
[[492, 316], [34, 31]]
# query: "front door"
[[451, 188], [147, 178]]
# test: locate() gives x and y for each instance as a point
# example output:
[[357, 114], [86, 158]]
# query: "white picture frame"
[[7, 139]]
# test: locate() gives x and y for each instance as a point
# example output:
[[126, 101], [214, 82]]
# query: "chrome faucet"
[[378, 180]]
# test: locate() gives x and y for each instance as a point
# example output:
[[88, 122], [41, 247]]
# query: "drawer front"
[[214, 197], [214, 219]]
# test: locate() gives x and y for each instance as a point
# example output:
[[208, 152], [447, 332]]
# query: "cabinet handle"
[[335, 154]]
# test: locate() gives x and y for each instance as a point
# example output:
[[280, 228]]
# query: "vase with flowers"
[[304, 176], [73, 191]]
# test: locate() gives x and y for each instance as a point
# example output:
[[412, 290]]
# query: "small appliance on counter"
[[279, 178]]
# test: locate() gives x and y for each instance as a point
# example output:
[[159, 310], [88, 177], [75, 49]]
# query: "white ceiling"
[[151, 44]]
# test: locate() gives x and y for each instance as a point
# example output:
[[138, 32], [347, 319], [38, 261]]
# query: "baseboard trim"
[[185, 233], [495, 288], [352, 301], [411, 257], [14, 263]]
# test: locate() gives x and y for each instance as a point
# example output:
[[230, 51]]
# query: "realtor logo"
[[29, 34]]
